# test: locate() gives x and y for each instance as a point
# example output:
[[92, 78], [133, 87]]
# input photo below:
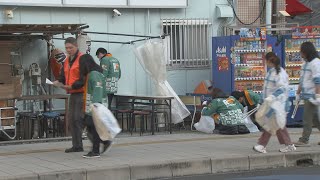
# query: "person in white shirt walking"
[[309, 91]]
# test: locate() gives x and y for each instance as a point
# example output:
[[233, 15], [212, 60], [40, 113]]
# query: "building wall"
[[133, 21]]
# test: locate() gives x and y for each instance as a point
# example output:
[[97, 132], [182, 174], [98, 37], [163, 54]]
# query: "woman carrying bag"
[[272, 114]]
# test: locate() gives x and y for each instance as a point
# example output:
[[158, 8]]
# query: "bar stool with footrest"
[[52, 121]]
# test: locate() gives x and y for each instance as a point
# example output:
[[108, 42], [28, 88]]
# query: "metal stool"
[[144, 118], [55, 121], [128, 113], [26, 123]]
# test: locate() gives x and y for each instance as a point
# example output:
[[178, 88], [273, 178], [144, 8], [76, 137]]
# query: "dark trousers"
[[93, 134], [76, 119], [110, 97], [310, 118]]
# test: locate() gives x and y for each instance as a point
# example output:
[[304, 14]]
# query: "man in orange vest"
[[71, 81]]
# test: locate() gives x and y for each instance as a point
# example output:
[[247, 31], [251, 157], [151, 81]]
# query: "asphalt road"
[[300, 173]]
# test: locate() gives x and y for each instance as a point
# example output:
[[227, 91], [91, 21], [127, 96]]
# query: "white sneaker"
[[84, 134], [260, 149], [288, 148]]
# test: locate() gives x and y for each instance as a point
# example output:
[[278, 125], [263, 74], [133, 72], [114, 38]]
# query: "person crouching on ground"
[[94, 93], [275, 93], [227, 111], [248, 99]]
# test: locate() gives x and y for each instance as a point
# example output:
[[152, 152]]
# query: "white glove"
[[258, 105], [205, 103], [316, 100], [269, 99]]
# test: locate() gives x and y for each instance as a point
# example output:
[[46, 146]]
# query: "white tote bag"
[[205, 124], [106, 124]]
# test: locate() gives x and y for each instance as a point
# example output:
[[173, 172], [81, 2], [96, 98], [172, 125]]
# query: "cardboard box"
[[12, 90]]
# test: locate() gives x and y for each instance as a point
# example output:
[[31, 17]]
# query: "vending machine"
[[238, 63], [293, 62], [239, 60]]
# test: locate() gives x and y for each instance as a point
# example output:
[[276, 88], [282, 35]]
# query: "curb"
[[176, 168]]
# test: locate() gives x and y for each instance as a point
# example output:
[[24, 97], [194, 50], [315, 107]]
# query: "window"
[[188, 42]]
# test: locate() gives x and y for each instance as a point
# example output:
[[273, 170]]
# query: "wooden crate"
[[12, 90], [7, 113]]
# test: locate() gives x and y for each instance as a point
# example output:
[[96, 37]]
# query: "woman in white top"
[[274, 116], [309, 91]]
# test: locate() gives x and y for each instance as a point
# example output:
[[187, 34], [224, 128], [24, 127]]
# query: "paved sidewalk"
[[151, 157]]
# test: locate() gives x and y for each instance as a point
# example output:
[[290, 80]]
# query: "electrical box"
[[224, 11]]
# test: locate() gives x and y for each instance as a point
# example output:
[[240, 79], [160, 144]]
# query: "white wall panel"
[[95, 3], [31, 2], [158, 3]]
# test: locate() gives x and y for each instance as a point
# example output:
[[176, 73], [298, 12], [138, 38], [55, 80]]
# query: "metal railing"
[[187, 45]]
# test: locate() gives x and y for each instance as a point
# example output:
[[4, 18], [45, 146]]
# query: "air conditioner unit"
[[224, 11]]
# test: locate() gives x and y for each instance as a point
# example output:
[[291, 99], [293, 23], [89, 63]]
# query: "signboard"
[[31, 2], [253, 34], [158, 3], [95, 3], [100, 3], [306, 32], [223, 64], [223, 61]]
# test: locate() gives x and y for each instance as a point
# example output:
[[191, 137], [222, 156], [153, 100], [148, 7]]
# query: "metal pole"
[[187, 42], [180, 41], [268, 13], [49, 74], [115, 42], [175, 40], [192, 42], [201, 41], [197, 41], [117, 34], [171, 43], [141, 40], [149, 24], [184, 43]]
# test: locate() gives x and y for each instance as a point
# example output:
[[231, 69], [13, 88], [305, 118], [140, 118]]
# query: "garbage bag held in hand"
[[106, 124], [249, 124], [269, 118], [205, 124]]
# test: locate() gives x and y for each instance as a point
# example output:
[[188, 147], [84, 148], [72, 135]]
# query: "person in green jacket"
[[111, 71], [228, 111], [248, 99], [95, 92]]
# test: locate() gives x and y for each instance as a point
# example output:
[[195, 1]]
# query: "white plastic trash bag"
[[273, 123], [106, 124], [153, 59], [249, 124], [205, 124]]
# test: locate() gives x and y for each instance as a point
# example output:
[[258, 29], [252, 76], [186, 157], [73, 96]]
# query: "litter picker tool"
[[295, 110], [250, 112]]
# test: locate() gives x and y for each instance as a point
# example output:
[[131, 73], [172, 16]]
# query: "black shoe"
[[106, 146], [70, 150], [91, 155]]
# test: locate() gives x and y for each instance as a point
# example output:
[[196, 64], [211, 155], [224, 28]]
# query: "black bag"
[[232, 130]]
